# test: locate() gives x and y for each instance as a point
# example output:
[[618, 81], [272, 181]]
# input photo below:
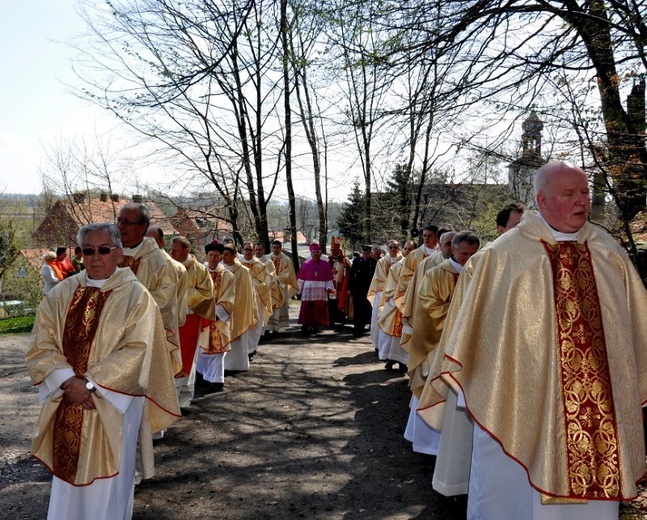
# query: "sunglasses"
[[394, 247], [103, 250]]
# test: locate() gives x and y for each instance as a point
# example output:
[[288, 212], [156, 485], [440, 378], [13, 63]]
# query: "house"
[[200, 226], [64, 219], [285, 237]]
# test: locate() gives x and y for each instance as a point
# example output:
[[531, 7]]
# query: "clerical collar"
[[244, 260], [393, 259], [132, 251], [456, 265], [559, 236], [91, 282], [212, 270], [429, 251], [228, 267], [187, 261]]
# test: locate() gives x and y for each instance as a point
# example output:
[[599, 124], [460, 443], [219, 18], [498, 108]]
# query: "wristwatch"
[[89, 386]]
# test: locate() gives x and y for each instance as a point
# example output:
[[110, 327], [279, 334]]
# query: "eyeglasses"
[[128, 223], [103, 250], [247, 249], [394, 247]]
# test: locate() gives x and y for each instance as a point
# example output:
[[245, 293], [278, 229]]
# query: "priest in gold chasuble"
[[549, 352], [434, 295], [215, 338], [153, 270], [91, 355]]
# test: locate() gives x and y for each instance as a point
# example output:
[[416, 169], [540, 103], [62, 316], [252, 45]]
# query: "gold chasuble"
[[549, 347], [244, 316], [390, 319], [410, 265], [107, 335], [216, 335], [157, 274], [285, 274], [199, 289], [409, 300], [278, 298], [434, 296], [380, 276], [258, 273]]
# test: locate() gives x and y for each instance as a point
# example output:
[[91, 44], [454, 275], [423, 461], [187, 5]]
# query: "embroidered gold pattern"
[[591, 430], [132, 262], [215, 339], [397, 325], [81, 325]]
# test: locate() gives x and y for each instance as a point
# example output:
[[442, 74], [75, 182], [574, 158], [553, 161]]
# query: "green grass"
[[19, 325]]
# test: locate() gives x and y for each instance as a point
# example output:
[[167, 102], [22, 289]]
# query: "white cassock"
[[104, 499], [212, 366], [375, 314], [499, 490], [452, 470], [424, 438]]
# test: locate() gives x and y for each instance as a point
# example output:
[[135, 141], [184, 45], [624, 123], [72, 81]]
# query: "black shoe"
[[212, 388], [229, 373], [389, 364], [402, 368], [185, 411], [199, 380]]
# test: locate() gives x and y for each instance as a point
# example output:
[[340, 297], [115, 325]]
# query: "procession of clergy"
[[117, 349], [526, 359]]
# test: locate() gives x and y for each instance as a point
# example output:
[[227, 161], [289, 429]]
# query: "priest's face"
[[248, 251], [228, 257], [259, 251], [179, 252], [565, 201], [213, 257], [276, 249], [464, 252], [100, 266], [446, 243], [131, 226], [429, 238]]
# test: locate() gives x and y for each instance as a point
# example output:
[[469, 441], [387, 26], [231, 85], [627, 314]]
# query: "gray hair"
[[540, 177], [142, 210], [50, 255], [111, 229], [465, 236]]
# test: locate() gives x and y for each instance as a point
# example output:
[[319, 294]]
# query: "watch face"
[[89, 386]]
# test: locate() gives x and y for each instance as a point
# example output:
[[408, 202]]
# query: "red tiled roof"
[[34, 257]]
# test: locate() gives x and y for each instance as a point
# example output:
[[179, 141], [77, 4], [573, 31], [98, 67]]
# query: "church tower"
[[520, 171]]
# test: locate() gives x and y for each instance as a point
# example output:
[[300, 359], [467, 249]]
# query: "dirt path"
[[313, 430]]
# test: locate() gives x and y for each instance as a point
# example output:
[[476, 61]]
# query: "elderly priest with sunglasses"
[[92, 357]]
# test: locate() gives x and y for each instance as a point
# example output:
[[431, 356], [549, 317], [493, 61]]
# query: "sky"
[[37, 109]]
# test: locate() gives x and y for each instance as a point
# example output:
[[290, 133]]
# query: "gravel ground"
[[313, 430]]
